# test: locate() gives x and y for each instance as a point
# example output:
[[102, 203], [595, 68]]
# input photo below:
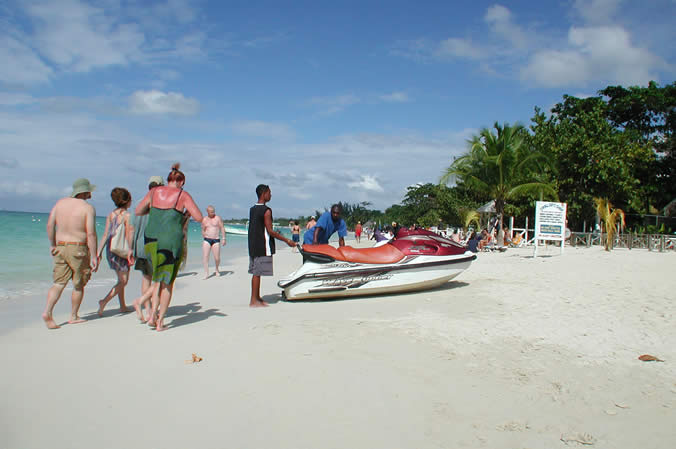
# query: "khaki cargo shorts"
[[72, 262]]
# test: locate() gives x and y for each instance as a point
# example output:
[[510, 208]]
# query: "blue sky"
[[324, 101]]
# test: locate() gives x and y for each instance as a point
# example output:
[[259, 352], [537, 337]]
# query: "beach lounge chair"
[[516, 241]]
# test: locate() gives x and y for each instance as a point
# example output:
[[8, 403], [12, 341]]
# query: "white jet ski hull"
[[346, 279]]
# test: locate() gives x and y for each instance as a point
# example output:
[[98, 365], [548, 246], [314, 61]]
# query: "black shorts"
[[144, 266]]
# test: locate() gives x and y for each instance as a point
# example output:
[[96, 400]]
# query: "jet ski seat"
[[378, 255], [324, 250]]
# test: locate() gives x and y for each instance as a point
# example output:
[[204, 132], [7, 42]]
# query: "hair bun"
[[176, 166]]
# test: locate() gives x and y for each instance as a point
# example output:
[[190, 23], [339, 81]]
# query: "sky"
[[324, 101]]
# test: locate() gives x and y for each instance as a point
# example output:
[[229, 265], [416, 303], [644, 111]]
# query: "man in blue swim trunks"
[[327, 224], [212, 230]]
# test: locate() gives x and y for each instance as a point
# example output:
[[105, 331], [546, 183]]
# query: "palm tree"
[[467, 217], [501, 165], [609, 217]]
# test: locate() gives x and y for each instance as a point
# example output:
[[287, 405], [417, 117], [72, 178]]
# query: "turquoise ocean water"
[[26, 265]]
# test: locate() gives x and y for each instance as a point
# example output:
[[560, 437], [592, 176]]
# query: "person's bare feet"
[[206, 276], [258, 303], [102, 305], [160, 326], [125, 309], [139, 312], [49, 321], [76, 320]]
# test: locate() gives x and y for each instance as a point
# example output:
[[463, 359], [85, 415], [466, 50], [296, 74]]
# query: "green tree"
[[501, 165], [431, 205], [592, 157], [354, 212], [650, 112]]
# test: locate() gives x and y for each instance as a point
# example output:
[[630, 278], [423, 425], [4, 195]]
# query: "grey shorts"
[[260, 266]]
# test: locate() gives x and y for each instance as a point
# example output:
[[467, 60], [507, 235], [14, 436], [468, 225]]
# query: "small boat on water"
[[244, 229], [416, 260], [238, 231]]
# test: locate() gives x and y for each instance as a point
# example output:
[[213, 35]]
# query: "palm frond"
[[609, 217], [469, 216]]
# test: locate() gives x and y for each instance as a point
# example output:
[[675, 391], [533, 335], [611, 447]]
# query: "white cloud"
[[20, 64], [29, 189], [500, 20], [14, 99], [155, 102], [181, 10], [598, 51], [597, 11], [256, 128], [556, 68], [334, 104], [218, 173], [459, 48], [594, 53], [79, 37], [395, 97], [368, 183]]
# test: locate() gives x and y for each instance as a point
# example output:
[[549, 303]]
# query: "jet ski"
[[415, 260]]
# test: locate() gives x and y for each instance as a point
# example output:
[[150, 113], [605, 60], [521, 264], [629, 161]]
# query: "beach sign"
[[550, 223]]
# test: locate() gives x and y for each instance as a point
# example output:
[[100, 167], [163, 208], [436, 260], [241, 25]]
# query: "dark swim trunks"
[[212, 242]]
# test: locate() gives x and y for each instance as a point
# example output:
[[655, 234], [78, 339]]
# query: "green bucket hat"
[[82, 185]]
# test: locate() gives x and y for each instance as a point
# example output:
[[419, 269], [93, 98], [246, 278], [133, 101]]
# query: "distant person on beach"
[[143, 262], [295, 235], [310, 223], [500, 239], [395, 229], [164, 237], [326, 226], [357, 232], [507, 237], [486, 239], [473, 242], [71, 230], [212, 230], [261, 243], [382, 236], [117, 221]]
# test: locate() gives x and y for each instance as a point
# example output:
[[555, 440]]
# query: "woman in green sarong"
[[167, 206]]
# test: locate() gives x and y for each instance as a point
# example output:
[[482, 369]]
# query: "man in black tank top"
[[261, 243]]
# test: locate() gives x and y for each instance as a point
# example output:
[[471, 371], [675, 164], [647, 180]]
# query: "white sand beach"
[[516, 352]]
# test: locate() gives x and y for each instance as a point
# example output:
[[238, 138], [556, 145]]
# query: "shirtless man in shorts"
[[212, 229], [71, 230]]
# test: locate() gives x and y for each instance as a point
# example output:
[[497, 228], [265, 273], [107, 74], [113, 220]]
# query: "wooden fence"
[[651, 242]]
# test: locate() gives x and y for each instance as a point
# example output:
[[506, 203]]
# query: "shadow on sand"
[[272, 299], [451, 285], [222, 273], [189, 314], [112, 311]]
